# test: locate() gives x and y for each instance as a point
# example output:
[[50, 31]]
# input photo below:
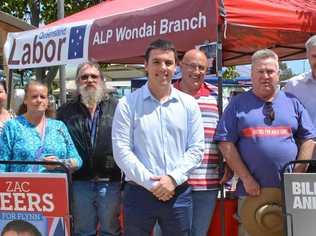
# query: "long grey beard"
[[91, 97]]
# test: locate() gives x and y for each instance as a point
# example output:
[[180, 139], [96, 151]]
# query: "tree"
[[230, 73], [45, 11], [285, 72], [38, 12]]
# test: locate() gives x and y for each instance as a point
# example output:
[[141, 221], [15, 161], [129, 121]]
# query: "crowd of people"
[[155, 152]]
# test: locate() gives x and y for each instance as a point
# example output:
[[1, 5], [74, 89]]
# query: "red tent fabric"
[[282, 25], [294, 15], [116, 31]]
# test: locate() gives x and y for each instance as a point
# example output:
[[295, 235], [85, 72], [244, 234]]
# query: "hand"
[[251, 186], [300, 168], [51, 158], [164, 190], [228, 174]]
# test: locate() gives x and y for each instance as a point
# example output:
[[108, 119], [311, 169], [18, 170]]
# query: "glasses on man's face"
[[87, 76], [268, 112], [193, 66]]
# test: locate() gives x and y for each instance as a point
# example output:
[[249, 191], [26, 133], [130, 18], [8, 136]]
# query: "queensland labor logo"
[[76, 42], [47, 46]]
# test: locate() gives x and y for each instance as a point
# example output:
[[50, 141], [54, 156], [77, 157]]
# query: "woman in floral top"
[[32, 136]]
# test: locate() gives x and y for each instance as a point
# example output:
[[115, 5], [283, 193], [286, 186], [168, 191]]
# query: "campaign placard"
[[300, 203], [39, 200]]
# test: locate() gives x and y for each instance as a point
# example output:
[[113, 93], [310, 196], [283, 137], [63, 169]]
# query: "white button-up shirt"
[[152, 138], [303, 87]]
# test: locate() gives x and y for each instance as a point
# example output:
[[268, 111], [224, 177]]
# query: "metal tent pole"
[[62, 70], [10, 88], [219, 65]]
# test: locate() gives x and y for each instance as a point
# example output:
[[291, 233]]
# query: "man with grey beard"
[[96, 186]]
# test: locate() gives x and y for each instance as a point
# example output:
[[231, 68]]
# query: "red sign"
[[186, 22], [38, 198]]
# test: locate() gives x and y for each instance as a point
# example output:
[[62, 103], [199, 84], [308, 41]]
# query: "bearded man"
[[96, 186]]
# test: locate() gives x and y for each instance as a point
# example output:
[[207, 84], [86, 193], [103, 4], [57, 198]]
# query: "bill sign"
[[300, 203]]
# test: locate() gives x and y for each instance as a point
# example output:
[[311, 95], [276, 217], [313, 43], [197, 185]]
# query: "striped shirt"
[[206, 176]]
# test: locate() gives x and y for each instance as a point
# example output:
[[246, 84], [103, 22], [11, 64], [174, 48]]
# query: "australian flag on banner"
[[57, 227], [76, 42]]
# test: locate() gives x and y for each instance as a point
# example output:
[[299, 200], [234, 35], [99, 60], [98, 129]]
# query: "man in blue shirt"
[[259, 130], [158, 139]]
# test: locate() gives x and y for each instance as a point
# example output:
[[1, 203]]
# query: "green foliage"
[[285, 72], [45, 11], [71, 7], [15, 8], [230, 73], [104, 67], [36, 12]]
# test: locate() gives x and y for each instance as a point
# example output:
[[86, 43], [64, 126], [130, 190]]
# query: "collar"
[[205, 90], [307, 77], [276, 95], [147, 94]]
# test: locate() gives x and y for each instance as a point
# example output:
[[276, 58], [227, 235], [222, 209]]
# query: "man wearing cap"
[[304, 85], [259, 129], [96, 186], [158, 140]]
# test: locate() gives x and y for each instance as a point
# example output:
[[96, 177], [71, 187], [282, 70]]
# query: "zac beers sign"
[[39, 198]]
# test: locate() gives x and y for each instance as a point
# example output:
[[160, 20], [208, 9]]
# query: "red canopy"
[[117, 31], [282, 25]]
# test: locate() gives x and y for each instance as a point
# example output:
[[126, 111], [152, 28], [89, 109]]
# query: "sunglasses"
[[86, 76], [268, 112]]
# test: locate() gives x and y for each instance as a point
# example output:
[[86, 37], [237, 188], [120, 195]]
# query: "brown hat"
[[262, 215]]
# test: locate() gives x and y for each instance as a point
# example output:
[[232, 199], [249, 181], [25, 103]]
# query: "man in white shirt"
[[303, 86], [158, 139]]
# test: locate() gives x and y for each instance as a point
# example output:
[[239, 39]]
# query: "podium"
[[299, 195], [41, 199]]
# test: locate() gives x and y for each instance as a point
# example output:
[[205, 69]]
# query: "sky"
[[297, 66]]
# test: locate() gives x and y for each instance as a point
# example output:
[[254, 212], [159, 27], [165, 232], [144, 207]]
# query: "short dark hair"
[[21, 226], [4, 85], [163, 45]]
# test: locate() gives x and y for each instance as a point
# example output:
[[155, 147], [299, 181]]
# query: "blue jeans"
[[204, 203], [142, 210], [96, 203]]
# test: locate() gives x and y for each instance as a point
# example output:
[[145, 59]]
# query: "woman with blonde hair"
[[33, 136]]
